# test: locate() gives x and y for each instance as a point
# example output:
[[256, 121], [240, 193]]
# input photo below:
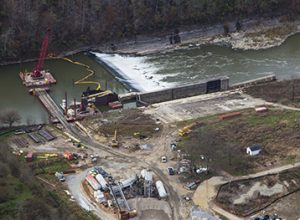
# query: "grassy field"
[[127, 123], [13, 195], [224, 142]]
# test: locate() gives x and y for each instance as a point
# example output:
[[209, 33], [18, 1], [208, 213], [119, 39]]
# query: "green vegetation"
[[15, 193], [90, 22], [224, 142], [52, 166], [23, 196]]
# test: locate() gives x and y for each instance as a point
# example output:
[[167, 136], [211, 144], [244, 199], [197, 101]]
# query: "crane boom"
[[39, 66]]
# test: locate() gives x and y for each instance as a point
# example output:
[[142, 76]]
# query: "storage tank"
[[128, 182], [161, 189], [102, 181], [99, 196], [147, 175], [92, 182]]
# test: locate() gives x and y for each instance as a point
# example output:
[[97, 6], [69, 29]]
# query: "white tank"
[[147, 175], [102, 181], [161, 189], [128, 182], [99, 196]]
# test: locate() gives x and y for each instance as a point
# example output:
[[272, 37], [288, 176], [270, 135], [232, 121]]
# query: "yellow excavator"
[[187, 129], [114, 141]]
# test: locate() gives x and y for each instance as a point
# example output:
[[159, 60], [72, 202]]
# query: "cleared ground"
[[224, 142], [201, 106], [283, 92], [287, 207], [246, 197], [127, 123]]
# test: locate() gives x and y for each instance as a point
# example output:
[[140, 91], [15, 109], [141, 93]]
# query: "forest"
[[22, 196], [84, 23]]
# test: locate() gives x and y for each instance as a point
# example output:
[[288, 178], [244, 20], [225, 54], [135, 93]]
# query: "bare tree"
[[10, 117]]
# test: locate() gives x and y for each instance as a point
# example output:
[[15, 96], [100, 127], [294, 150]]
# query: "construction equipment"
[[36, 73], [114, 141], [47, 156], [187, 129]]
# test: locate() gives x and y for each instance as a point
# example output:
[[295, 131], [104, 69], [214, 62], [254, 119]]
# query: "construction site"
[[207, 146]]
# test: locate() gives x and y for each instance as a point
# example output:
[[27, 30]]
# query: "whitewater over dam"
[[134, 71], [176, 68], [148, 73]]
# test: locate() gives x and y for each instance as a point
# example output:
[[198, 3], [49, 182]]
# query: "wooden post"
[[75, 107], [66, 107]]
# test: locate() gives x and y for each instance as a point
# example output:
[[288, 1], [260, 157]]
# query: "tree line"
[[79, 23], [41, 202]]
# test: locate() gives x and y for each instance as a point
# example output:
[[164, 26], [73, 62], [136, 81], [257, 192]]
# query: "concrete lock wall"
[[256, 81], [156, 96], [190, 90], [181, 91]]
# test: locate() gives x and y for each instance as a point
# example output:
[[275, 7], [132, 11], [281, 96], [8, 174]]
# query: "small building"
[[254, 150]]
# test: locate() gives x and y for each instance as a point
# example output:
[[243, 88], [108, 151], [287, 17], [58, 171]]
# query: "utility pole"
[[75, 108], [66, 107]]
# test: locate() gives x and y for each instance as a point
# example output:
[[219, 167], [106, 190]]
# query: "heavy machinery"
[[114, 141], [36, 73], [187, 129]]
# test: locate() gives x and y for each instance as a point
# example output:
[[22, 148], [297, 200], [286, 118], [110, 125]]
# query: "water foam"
[[136, 71]]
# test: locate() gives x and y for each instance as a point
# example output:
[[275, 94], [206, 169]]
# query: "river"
[[15, 96], [146, 73], [192, 65]]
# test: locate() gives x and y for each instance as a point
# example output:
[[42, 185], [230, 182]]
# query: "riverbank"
[[256, 34]]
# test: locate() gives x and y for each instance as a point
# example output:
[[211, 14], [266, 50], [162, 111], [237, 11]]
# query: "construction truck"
[[187, 129], [114, 141]]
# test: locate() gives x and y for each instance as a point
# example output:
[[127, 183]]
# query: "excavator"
[[114, 141], [187, 129]]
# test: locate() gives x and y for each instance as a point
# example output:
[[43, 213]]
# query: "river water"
[[187, 66], [146, 73], [15, 96]]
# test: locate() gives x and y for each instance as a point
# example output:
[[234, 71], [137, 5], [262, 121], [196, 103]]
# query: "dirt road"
[[75, 187], [207, 190]]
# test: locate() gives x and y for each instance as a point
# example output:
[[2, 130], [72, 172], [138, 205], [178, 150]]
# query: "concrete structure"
[[256, 81], [203, 87], [254, 150], [128, 182]]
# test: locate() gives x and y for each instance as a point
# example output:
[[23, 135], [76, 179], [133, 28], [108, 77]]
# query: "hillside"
[[84, 23], [22, 196]]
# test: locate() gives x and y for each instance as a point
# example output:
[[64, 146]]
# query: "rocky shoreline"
[[256, 34]]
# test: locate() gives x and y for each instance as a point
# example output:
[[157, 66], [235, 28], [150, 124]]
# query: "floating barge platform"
[[29, 81]]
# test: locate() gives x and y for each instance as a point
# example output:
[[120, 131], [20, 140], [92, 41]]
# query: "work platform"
[[29, 81], [55, 112]]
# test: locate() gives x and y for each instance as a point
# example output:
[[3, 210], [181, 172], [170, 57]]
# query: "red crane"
[[39, 66]]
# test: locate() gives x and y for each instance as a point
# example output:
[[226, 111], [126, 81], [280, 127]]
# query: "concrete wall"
[[256, 81], [153, 97], [188, 90], [180, 92]]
